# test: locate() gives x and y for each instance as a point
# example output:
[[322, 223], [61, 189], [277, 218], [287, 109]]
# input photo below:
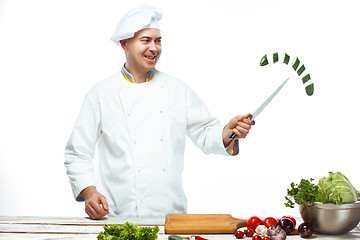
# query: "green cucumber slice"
[[286, 59], [275, 57], [309, 89], [306, 78], [296, 63], [301, 70], [264, 61]]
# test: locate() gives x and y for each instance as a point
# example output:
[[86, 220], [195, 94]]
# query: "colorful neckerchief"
[[130, 78]]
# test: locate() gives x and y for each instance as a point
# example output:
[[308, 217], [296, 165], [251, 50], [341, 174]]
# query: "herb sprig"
[[305, 192]]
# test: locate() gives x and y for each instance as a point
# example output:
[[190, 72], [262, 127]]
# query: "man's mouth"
[[150, 57]]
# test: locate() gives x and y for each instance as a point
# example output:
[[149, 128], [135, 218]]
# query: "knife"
[[258, 111]]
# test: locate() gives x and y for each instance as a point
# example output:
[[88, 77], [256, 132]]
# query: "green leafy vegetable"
[[302, 193], [334, 189], [337, 189], [128, 231]]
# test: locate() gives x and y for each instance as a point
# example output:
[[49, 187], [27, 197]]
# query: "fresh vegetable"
[[337, 189], [276, 233], [296, 63], [301, 70], [275, 57], [306, 78], [286, 59], [257, 237], [200, 238], [176, 237], [291, 218], [286, 224], [261, 230], [264, 61], [239, 234], [128, 231], [253, 222], [269, 221], [249, 232], [304, 192], [309, 89], [266, 238], [306, 229]]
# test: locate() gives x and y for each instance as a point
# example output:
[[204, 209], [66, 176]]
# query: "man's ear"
[[123, 44]]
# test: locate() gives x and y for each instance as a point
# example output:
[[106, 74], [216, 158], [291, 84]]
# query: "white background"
[[52, 52]]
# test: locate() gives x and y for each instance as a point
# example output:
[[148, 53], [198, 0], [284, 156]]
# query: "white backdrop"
[[52, 52]]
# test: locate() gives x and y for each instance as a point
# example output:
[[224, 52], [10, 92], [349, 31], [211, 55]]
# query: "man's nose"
[[152, 46]]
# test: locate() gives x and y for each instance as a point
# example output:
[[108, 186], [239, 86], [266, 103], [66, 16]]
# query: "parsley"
[[305, 192], [128, 231]]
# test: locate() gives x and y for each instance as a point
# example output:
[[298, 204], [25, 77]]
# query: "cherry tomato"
[[257, 237], [291, 218], [270, 221], [266, 238], [249, 232], [253, 222], [239, 234]]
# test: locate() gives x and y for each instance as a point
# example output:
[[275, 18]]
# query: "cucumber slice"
[[286, 59], [264, 61], [306, 78], [309, 89], [301, 70], [296, 63], [275, 57]]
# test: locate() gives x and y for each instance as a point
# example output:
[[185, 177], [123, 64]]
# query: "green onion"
[[286, 59], [309, 89], [296, 63], [275, 57], [301, 70], [306, 78], [264, 61]]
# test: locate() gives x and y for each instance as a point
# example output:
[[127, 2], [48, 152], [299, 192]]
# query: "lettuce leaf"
[[128, 231]]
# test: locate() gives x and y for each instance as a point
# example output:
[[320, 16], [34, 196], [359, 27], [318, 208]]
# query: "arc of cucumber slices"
[[309, 88]]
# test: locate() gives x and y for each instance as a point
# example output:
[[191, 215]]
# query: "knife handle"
[[232, 135]]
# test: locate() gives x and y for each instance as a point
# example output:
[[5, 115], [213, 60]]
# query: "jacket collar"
[[130, 78]]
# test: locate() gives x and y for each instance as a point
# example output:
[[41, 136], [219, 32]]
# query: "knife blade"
[[262, 106]]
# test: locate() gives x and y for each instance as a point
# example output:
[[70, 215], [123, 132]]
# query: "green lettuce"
[[337, 189]]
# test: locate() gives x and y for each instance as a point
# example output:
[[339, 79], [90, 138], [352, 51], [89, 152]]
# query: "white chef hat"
[[142, 17]]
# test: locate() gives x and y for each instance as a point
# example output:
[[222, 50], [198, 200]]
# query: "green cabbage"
[[337, 189]]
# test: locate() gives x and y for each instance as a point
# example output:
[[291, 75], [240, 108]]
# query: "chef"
[[139, 119]]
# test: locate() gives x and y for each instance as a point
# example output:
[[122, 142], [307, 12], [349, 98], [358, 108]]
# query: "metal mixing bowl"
[[331, 218]]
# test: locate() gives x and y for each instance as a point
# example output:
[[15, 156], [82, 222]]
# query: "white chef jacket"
[[140, 130]]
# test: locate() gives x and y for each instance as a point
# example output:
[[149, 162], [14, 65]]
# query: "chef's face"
[[143, 50]]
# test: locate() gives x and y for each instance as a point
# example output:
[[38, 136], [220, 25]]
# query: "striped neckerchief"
[[130, 78]]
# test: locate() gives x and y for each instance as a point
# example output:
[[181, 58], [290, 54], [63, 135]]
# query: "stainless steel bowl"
[[331, 218]]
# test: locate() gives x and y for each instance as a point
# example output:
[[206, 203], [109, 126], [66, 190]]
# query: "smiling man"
[[139, 119]]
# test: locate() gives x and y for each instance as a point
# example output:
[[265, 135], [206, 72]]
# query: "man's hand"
[[240, 125], [96, 205]]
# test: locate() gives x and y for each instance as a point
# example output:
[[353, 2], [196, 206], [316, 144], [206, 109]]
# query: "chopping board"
[[202, 223]]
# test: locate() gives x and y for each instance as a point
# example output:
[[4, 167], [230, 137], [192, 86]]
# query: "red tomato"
[[266, 238], [270, 221], [291, 218], [249, 232], [253, 222], [256, 237], [239, 234]]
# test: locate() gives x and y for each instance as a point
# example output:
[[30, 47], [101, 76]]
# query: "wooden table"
[[14, 228]]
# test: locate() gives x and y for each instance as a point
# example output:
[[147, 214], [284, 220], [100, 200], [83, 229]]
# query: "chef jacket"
[[140, 130]]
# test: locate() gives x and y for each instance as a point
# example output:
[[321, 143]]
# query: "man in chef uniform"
[[139, 119]]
